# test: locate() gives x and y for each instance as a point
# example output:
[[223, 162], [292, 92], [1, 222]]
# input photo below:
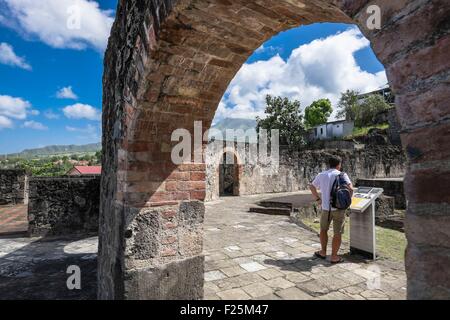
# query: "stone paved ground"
[[33, 268], [248, 256], [13, 219], [256, 256]]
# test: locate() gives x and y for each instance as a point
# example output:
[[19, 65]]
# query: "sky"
[[51, 67]]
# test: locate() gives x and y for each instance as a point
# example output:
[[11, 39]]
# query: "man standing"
[[324, 182]]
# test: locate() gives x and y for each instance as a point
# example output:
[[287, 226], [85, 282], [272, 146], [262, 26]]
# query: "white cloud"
[[13, 107], [89, 132], [82, 111], [5, 122], [9, 57], [268, 50], [66, 93], [49, 114], [322, 68], [74, 24], [34, 125]]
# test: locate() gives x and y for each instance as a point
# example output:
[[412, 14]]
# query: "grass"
[[391, 244], [360, 132]]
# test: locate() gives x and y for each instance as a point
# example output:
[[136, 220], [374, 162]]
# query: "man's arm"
[[349, 184], [350, 187], [314, 192]]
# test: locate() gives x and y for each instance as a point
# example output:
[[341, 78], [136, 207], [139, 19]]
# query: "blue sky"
[[51, 78]]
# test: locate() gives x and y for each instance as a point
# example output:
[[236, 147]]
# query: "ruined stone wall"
[[394, 128], [13, 186], [392, 187], [63, 205], [297, 170]]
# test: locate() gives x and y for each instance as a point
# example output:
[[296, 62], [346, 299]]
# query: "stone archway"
[[168, 64]]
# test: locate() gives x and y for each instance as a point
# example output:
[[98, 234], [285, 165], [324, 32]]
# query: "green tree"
[[284, 115], [98, 157], [369, 108], [348, 105], [318, 112]]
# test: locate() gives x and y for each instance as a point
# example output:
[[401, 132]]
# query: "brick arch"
[[169, 62]]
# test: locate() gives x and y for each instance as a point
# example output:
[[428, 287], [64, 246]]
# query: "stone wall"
[[394, 128], [13, 186], [64, 205], [392, 187], [297, 171]]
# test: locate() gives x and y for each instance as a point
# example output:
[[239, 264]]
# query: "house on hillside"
[[85, 170], [386, 93], [331, 130]]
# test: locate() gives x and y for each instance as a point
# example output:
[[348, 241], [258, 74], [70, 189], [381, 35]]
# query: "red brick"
[[426, 186], [192, 167], [198, 176], [428, 144], [169, 240], [402, 33], [420, 65], [168, 252], [171, 185], [169, 214], [430, 106], [170, 225], [169, 196], [198, 195], [191, 185], [179, 176], [429, 230]]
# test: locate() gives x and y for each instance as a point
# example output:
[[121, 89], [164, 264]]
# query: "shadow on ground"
[[35, 269]]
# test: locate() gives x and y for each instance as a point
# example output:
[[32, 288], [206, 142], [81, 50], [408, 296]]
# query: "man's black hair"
[[334, 161]]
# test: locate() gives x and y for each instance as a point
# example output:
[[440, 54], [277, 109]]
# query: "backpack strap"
[[336, 181]]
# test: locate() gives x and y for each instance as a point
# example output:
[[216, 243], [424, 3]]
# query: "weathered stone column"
[[413, 45]]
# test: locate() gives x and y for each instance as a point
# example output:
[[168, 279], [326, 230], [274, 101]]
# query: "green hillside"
[[55, 150]]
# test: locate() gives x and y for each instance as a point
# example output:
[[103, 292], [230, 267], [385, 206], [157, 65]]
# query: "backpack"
[[341, 198]]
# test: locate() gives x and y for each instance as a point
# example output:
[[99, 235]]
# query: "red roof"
[[89, 169]]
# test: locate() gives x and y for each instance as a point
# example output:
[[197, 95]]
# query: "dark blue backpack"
[[341, 197]]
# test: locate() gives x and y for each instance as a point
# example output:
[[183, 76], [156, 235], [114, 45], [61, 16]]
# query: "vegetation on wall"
[[348, 105], [362, 112]]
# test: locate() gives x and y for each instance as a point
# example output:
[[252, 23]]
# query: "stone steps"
[[275, 211], [275, 204]]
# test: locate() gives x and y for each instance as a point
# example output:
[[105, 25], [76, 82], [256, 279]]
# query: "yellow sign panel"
[[359, 203]]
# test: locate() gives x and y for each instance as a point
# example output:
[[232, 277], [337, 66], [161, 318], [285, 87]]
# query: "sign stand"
[[362, 222]]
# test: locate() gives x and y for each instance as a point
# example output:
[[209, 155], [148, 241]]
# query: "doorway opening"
[[229, 175]]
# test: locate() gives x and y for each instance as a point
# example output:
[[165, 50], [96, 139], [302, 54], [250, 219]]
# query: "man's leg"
[[336, 245], [338, 229], [324, 226], [323, 242]]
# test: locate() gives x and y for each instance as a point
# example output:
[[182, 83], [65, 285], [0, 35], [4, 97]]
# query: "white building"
[[332, 130]]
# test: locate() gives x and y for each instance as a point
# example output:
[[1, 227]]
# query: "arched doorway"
[[229, 175], [168, 64]]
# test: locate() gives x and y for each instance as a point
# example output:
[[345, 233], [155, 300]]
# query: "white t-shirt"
[[324, 182]]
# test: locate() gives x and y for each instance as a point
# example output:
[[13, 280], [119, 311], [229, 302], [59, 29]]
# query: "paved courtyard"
[[256, 256], [248, 256]]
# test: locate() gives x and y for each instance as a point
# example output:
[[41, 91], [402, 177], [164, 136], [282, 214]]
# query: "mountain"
[[223, 125], [236, 124], [56, 150]]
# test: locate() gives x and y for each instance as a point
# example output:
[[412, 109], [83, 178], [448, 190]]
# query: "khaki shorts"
[[338, 218]]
